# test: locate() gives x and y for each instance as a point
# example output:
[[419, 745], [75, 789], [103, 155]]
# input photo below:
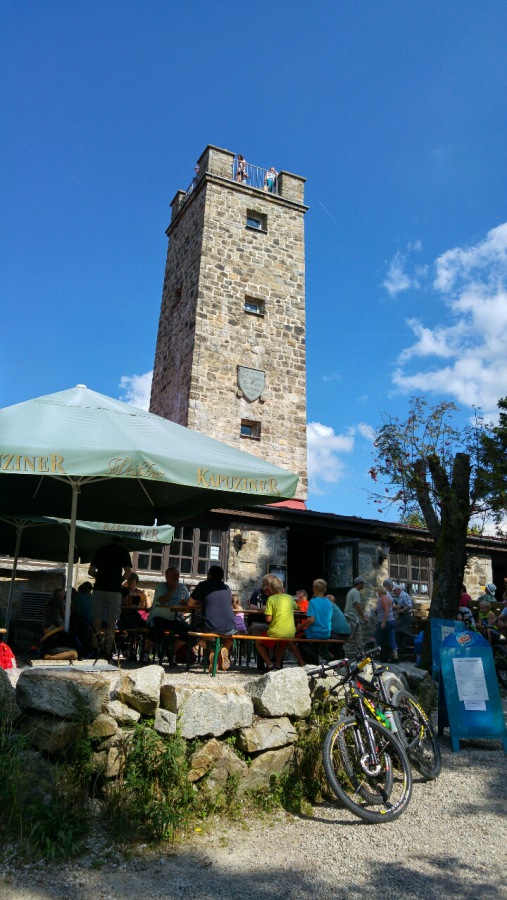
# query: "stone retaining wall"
[[53, 708]]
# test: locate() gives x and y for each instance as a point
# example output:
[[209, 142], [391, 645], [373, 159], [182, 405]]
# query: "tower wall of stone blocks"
[[230, 359]]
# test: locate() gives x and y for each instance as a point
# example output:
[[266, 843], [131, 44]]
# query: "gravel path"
[[451, 841]]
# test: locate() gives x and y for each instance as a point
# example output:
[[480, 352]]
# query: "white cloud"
[[136, 389], [325, 449], [397, 279], [472, 284], [334, 376]]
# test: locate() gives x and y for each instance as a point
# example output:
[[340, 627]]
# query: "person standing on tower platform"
[[270, 180]]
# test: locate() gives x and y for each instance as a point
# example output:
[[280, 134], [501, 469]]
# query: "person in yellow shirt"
[[280, 623]]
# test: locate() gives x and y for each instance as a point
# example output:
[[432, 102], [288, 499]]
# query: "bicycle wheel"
[[500, 660], [392, 684], [417, 735], [376, 791]]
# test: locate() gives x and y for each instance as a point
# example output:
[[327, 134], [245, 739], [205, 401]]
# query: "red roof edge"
[[290, 504]]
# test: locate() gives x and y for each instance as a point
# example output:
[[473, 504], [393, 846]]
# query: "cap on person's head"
[[491, 588], [397, 587], [358, 580]]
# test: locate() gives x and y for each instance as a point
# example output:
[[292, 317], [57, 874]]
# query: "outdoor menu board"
[[472, 696]]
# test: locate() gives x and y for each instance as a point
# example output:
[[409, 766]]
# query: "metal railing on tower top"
[[244, 173], [255, 176]]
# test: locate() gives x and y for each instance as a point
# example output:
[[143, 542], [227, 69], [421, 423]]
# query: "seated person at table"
[[339, 625], [161, 617], [83, 601], [135, 598], [215, 599], [54, 611], [280, 608], [57, 643], [302, 601], [239, 614], [318, 618], [259, 597]]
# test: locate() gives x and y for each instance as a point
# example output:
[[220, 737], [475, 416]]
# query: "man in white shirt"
[[355, 616]]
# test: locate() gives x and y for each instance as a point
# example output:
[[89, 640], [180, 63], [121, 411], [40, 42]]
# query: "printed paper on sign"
[[470, 679]]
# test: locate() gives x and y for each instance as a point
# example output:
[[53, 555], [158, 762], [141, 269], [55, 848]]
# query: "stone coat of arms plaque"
[[251, 382]]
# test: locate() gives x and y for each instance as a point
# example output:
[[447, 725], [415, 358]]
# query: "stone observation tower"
[[230, 359]]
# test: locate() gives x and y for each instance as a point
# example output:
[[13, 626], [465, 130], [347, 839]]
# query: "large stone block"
[[274, 762], [9, 709], [207, 711], [266, 734], [140, 689], [122, 713], [102, 727], [77, 696], [284, 693], [217, 760], [50, 734], [165, 722]]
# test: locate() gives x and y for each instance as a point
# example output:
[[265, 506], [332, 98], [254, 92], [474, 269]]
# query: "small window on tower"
[[250, 429], [254, 306], [256, 221]]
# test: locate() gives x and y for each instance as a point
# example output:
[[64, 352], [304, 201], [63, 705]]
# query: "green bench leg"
[[215, 657]]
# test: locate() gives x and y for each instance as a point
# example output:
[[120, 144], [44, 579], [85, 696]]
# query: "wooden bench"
[[212, 636]]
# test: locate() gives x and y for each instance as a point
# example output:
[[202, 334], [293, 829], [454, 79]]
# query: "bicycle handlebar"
[[320, 671]]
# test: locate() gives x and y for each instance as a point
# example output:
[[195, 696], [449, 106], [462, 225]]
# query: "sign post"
[[472, 696]]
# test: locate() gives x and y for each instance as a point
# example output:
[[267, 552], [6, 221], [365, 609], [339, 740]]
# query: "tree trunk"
[[450, 545]]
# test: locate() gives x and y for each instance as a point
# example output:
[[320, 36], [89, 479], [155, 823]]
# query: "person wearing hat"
[[488, 596], [355, 616]]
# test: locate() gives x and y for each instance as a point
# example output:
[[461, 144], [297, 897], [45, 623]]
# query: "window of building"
[[254, 306], [413, 573], [192, 551], [250, 429], [256, 221]]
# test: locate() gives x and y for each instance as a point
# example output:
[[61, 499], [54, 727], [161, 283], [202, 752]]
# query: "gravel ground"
[[451, 841]]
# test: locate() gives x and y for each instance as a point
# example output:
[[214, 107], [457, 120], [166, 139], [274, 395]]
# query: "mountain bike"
[[365, 763]]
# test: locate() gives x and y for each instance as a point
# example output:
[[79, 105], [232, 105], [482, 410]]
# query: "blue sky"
[[393, 111]]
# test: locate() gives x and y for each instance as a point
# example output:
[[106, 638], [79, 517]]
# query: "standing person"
[[215, 598], [385, 631], [354, 614], [270, 180], [162, 617], [241, 169], [110, 564], [402, 604], [279, 623]]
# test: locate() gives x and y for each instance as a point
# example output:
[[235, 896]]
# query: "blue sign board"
[[468, 678], [440, 629]]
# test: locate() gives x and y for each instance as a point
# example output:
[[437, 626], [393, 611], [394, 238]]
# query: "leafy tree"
[[431, 468], [494, 474]]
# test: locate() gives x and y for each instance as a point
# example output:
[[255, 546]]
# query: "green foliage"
[[494, 472], [431, 468], [43, 807], [153, 796], [305, 782]]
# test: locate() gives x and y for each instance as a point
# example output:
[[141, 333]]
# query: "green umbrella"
[[41, 537], [121, 462]]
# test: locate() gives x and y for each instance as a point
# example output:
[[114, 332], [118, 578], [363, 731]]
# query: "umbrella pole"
[[13, 579], [70, 560]]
